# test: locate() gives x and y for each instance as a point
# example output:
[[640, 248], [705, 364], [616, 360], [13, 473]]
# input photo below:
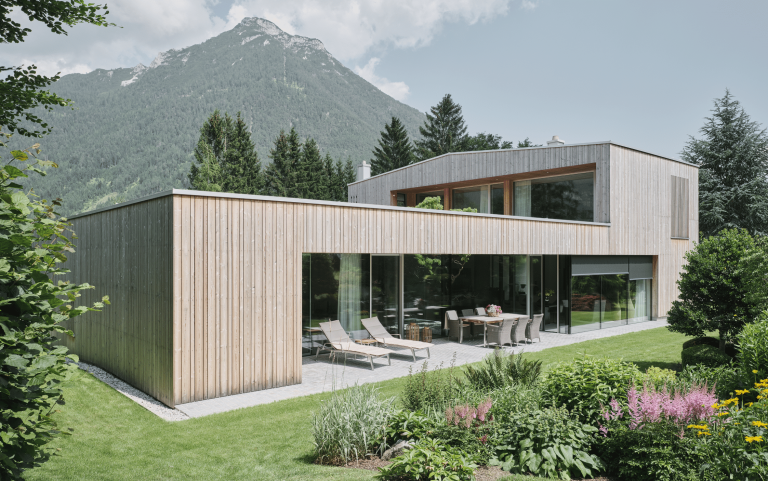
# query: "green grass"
[[114, 438]]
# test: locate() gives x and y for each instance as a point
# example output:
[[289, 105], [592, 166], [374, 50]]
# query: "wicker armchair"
[[518, 333], [474, 329], [501, 334], [532, 330], [457, 329]]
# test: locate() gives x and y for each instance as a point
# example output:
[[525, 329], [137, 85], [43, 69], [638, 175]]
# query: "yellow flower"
[[751, 439], [715, 406], [759, 424], [704, 433], [697, 426], [754, 371], [750, 404], [723, 414], [742, 391]]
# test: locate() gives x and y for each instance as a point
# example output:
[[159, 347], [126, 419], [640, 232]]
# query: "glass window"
[[568, 197], [614, 296], [385, 291], [425, 293], [586, 303], [535, 285], [474, 197], [334, 286], [564, 293], [497, 199], [420, 197], [550, 293], [401, 200], [639, 303]]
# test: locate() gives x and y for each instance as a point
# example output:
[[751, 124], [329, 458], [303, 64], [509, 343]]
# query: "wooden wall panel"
[[463, 166], [128, 254], [206, 288]]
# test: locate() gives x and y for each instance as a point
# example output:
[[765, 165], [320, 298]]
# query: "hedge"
[[705, 355]]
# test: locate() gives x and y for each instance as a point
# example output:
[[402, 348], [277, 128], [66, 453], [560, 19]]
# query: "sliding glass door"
[[385, 291]]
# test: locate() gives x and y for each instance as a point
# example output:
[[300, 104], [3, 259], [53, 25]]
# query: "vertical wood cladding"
[[126, 254], [206, 288]]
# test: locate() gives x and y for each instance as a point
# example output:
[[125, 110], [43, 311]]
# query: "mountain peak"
[[264, 26]]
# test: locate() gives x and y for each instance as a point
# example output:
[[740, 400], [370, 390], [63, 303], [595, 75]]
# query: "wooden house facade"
[[217, 294]]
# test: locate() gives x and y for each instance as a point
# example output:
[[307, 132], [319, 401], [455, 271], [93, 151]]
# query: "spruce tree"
[[276, 173], [329, 174], [443, 131], [311, 179], [733, 160], [395, 149], [294, 161], [242, 167], [483, 141], [212, 142]]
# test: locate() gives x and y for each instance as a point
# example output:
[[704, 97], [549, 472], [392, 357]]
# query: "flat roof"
[[291, 200], [526, 148]]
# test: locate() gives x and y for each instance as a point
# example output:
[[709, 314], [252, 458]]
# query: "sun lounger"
[[339, 341], [382, 336]]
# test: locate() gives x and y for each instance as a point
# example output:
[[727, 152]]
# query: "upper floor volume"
[[584, 183]]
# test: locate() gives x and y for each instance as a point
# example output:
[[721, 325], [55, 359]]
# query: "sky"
[[642, 74]]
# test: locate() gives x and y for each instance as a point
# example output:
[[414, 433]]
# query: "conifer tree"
[[212, 142], [208, 176], [311, 179], [395, 149], [733, 160], [242, 167], [443, 131], [329, 174], [280, 178]]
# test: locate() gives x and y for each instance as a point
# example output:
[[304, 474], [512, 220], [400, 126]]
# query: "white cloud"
[[350, 28], [396, 90], [529, 4]]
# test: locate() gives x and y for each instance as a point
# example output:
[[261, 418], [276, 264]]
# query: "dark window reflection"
[[497, 199], [566, 197]]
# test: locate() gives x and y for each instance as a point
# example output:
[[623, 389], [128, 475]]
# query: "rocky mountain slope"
[[133, 129]]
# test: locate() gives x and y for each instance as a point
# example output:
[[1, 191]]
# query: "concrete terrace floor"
[[320, 376]]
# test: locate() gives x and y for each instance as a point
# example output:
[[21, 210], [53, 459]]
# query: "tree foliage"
[[22, 88], [483, 141], [395, 149], [715, 284], [225, 157], [733, 160], [443, 131], [34, 240]]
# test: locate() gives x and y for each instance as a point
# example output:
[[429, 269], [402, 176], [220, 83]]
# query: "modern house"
[[216, 294]]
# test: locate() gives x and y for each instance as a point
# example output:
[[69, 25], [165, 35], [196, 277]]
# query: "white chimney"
[[363, 171], [555, 142]]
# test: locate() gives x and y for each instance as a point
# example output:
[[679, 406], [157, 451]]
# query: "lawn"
[[114, 438]]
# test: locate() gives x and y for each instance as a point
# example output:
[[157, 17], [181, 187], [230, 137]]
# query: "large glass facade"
[[497, 199], [425, 291], [385, 291], [609, 300], [334, 286], [423, 195], [403, 290], [568, 197], [474, 197]]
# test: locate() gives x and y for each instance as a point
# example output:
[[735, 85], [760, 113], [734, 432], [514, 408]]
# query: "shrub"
[[654, 453], [498, 370], [586, 384], [708, 340], [753, 344], [659, 377], [704, 355], [734, 442], [514, 399], [645, 438], [548, 443], [724, 379], [430, 391], [351, 424], [407, 425], [34, 242], [429, 460]]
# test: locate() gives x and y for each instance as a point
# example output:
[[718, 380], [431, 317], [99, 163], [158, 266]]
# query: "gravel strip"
[[151, 404]]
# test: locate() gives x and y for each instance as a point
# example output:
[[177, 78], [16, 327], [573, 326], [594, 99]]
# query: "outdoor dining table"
[[485, 320]]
